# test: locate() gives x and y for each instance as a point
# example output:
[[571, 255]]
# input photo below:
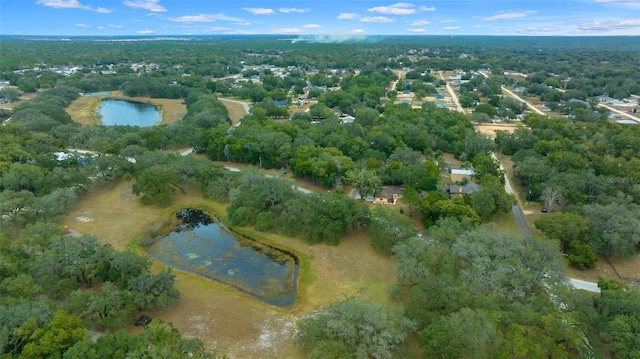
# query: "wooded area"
[[465, 287]]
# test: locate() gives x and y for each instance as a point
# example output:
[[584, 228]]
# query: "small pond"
[[207, 248], [127, 113]]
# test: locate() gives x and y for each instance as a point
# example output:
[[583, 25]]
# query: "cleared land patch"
[[236, 111], [490, 130], [227, 320]]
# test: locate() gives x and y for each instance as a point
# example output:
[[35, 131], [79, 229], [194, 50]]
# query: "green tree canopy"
[[355, 328]]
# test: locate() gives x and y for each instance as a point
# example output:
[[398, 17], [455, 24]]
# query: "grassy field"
[[236, 110], [227, 320], [83, 110], [25, 97]]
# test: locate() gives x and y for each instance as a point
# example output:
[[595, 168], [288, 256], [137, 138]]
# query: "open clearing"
[[226, 320], [489, 130], [23, 98], [236, 110], [83, 109]]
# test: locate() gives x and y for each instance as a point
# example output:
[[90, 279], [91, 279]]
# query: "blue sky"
[[320, 17]]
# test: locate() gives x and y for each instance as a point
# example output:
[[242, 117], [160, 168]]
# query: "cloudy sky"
[[332, 17]]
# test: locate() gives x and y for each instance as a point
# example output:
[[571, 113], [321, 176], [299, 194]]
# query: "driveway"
[[523, 228]]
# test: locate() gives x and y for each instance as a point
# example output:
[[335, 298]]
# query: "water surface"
[[126, 113], [207, 248]]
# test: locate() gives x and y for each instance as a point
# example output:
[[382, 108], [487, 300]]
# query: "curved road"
[[244, 104]]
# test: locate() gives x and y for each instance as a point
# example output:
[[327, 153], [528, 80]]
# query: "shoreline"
[[90, 115]]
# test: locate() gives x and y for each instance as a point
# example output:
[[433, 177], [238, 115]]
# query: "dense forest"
[[465, 287]]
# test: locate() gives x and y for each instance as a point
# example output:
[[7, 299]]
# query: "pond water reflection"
[[127, 113], [207, 248]]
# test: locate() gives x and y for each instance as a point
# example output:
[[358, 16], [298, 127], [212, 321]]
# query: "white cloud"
[[448, 21], [419, 31], [151, 5], [312, 26], [220, 28], [287, 10], [287, 30], [450, 28], [401, 8], [204, 18], [620, 3], [609, 25], [146, 32], [348, 16], [84, 26], [259, 10], [427, 8], [509, 16], [378, 19], [63, 4], [420, 23], [537, 30], [71, 4], [100, 27], [194, 18], [114, 26], [243, 23], [357, 31]]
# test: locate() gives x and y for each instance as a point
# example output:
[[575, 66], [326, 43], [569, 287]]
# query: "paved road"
[[452, 94], [581, 284], [532, 107], [523, 227], [244, 104], [622, 113], [521, 221], [518, 214]]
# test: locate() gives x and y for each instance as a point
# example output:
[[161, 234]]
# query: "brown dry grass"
[[490, 130], [23, 98], [236, 111], [601, 269], [453, 162], [83, 110], [226, 320]]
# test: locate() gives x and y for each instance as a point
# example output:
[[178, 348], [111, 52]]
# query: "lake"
[[127, 113], [209, 249]]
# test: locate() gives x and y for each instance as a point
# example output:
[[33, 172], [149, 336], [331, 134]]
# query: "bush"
[[264, 221], [242, 216], [582, 255]]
